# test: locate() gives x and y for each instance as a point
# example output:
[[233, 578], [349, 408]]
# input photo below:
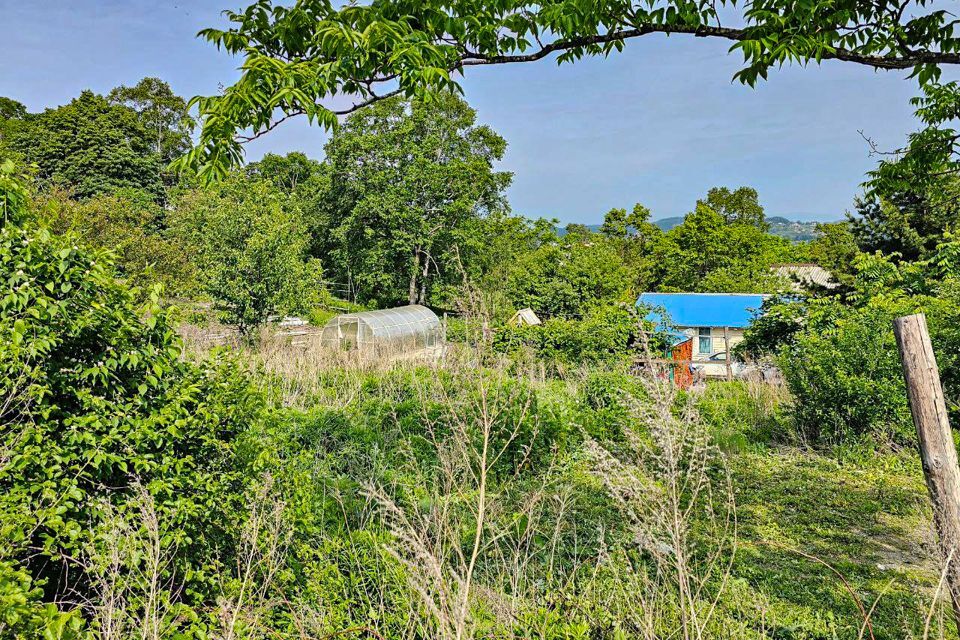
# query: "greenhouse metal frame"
[[399, 330]]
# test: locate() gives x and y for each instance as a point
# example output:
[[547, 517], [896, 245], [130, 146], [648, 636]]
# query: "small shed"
[[400, 330], [525, 317]]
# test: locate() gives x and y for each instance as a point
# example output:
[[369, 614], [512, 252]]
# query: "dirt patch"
[[911, 551]]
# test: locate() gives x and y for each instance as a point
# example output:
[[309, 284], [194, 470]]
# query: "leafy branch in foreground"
[[931, 154], [305, 59], [913, 196]]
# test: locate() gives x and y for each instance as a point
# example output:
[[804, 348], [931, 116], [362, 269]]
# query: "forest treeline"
[[150, 491], [406, 204]]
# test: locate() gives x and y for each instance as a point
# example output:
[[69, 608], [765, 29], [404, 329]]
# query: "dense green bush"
[[605, 396], [848, 380], [742, 414], [603, 336], [839, 355], [96, 400], [427, 406], [569, 277], [133, 227], [249, 246], [943, 316]]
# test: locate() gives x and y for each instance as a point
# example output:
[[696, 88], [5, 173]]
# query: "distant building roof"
[[525, 316], [802, 274], [735, 310]]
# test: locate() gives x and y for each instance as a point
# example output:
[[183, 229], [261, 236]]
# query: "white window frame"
[[704, 337]]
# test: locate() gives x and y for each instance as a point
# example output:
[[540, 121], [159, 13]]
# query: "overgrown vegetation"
[[533, 481], [195, 498]]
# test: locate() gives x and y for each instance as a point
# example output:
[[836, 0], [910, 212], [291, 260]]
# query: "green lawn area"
[[864, 514]]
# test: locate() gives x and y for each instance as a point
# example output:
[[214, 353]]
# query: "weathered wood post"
[[937, 451]]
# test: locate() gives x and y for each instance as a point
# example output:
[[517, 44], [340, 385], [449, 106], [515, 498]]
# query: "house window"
[[704, 342]]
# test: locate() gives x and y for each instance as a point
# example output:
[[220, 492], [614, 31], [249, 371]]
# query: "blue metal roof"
[[734, 310]]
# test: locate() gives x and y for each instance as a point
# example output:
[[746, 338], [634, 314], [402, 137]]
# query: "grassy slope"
[[863, 512], [867, 519]]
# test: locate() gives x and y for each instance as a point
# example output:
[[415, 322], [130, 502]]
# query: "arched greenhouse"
[[396, 331]]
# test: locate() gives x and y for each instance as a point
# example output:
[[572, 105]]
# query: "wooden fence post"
[[937, 451]]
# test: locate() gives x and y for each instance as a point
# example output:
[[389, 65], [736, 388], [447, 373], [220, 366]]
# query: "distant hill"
[[792, 229], [779, 226], [562, 231], [669, 223]]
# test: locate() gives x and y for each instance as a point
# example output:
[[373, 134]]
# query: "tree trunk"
[[937, 451], [414, 272], [423, 280]]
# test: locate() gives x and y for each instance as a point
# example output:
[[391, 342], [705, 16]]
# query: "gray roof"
[[804, 274]]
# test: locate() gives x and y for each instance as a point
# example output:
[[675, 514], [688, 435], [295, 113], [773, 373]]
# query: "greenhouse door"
[[348, 331]]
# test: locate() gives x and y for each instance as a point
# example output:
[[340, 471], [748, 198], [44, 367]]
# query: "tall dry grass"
[[133, 592], [673, 486], [468, 547], [136, 593]]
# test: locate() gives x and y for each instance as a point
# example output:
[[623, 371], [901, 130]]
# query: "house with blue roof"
[[705, 326]]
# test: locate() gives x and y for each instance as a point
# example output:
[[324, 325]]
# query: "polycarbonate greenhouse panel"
[[400, 329]]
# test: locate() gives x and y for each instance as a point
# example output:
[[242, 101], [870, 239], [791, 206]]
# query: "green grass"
[[862, 511]]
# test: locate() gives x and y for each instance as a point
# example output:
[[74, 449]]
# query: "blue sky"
[[659, 124]]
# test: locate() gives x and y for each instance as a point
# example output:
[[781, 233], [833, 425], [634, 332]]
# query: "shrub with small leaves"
[[250, 248], [603, 336]]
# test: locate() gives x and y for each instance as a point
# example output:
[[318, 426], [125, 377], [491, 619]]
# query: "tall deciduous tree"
[[11, 113], [738, 206], [299, 57], [10, 108], [487, 252], [98, 144], [706, 253], [90, 146], [569, 277], [931, 154], [899, 223], [634, 236], [405, 179], [288, 173], [615, 224], [250, 250], [835, 249], [162, 113]]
